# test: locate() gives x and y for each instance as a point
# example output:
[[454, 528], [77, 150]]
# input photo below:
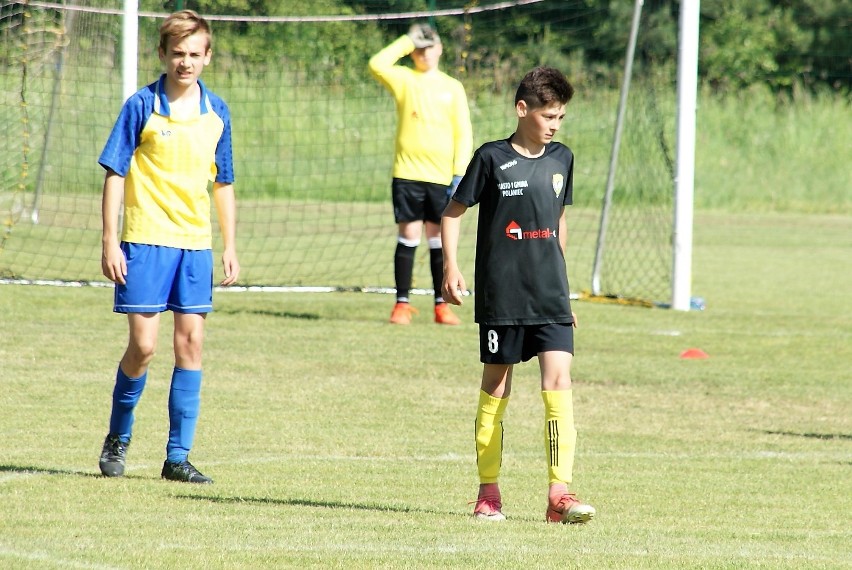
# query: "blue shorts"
[[163, 278], [511, 344]]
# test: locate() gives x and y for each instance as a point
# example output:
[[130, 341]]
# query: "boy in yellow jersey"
[[170, 141], [434, 142], [522, 185]]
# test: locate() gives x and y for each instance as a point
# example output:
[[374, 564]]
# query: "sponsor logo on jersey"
[[165, 133], [515, 231], [509, 164], [515, 188], [557, 183]]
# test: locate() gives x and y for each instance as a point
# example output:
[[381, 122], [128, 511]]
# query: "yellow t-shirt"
[[168, 163], [434, 137]]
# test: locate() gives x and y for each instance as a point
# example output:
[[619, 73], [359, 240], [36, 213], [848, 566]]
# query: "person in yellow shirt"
[[434, 143], [171, 140]]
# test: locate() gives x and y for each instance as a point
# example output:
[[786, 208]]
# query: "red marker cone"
[[694, 353]]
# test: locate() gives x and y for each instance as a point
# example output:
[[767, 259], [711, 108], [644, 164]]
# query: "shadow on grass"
[[29, 470], [809, 435], [317, 504], [277, 314]]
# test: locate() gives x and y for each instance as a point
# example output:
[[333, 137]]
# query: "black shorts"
[[418, 201], [510, 344]]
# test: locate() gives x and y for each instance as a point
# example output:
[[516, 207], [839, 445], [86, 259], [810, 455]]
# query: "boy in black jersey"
[[522, 185]]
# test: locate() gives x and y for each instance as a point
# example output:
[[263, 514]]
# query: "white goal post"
[[687, 95]]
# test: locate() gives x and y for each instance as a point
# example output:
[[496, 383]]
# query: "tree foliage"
[[779, 43]]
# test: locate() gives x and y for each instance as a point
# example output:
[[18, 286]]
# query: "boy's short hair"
[[544, 86], [181, 25]]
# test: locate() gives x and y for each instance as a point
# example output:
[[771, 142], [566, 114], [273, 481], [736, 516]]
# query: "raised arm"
[[383, 64]]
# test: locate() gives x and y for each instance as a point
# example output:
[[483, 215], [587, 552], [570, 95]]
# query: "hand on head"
[[422, 35]]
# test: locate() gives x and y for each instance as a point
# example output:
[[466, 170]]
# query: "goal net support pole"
[[616, 145]]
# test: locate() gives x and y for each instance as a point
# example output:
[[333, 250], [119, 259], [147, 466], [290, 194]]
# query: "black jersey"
[[520, 277]]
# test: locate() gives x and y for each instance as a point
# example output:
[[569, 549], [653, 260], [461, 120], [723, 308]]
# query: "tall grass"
[[757, 153]]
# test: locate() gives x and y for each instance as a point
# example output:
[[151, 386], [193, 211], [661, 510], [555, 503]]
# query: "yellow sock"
[[560, 437], [489, 436]]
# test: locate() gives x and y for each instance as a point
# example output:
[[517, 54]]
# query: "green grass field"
[[338, 441]]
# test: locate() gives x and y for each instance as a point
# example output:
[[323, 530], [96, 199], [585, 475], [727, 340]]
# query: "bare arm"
[[453, 286], [113, 263], [563, 243], [226, 208]]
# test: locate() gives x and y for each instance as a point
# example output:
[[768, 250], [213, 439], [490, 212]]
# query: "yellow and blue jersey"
[[434, 136], [168, 163]]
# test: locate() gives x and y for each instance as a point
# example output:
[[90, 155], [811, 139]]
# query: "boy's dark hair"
[[181, 25], [544, 86]]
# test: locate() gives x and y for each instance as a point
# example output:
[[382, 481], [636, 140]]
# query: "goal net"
[[313, 136]]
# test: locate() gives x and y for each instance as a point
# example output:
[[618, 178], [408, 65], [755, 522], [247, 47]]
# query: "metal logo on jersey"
[[515, 232], [557, 183]]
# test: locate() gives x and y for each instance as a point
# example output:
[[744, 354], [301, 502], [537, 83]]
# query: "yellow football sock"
[[560, 437], [489, 436]]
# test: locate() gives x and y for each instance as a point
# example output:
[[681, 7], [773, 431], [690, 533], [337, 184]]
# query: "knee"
[[561, 381], [140, 353], [188, 346]]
